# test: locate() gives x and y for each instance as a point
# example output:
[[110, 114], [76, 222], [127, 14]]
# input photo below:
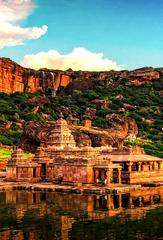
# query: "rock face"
[[14, 77], [34, 134], [125, 128], [143, 75], [120, 129]]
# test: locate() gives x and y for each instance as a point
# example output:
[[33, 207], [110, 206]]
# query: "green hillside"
[[144, 103]]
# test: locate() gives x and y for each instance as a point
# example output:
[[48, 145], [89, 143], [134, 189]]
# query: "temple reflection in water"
[[42, 215]]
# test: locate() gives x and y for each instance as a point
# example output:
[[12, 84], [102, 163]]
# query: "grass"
[[6, 153], [28, 155]]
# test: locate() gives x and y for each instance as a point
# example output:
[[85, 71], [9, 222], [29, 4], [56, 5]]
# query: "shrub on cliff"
[[10, 137], [8, 107], [33, 117], [101, 122], [5, 140], [91, 94]]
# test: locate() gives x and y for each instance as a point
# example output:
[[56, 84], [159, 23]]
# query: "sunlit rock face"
[[143, 75], [14, 77], [125, 127]]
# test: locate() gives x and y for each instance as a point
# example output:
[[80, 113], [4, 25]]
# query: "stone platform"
[[78, 189]]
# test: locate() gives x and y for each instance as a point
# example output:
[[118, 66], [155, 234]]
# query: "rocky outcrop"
[[102, 103], [124, 128], [90, 113], [34, 133], [120, 129], [143, 75], [14, 77]]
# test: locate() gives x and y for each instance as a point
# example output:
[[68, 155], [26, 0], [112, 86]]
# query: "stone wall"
[[146, 177], [70, 173], [11, 173], [3, 163]]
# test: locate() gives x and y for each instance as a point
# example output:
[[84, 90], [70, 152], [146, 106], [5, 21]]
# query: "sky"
[[82, 34]]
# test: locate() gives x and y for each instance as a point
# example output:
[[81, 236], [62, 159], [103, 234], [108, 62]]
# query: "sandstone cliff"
[[14, 77]]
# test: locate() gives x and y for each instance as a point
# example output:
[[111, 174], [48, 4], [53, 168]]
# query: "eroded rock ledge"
[[14, 77]]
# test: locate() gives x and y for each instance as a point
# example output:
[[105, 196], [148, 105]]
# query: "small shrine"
[[20, 168]]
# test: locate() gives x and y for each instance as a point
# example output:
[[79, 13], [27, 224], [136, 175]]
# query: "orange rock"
[[35, 109], [15, 78], [8, 125]]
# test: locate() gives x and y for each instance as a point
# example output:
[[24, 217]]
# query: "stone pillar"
[[152, 163], [139, 166], [108, 177], [96, 175], [131, 203], [155, 166], [119, 176], [161, 165], [120, 200], [140, 202], [151, 166], [130, 167]]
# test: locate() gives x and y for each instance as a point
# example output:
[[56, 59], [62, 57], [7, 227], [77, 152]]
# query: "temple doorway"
[[100, 175], [34, 172], [114, 178], [43, 171]]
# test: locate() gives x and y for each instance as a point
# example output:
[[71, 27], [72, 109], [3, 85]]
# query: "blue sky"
[[127, 32]]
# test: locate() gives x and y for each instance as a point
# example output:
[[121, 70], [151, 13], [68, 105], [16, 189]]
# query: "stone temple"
[[59, 160]]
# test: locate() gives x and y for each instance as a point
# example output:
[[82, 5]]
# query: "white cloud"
[[78, 59], [11, 33]]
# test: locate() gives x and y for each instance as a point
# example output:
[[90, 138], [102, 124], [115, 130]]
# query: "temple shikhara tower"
[[59, 160], [60, 136]]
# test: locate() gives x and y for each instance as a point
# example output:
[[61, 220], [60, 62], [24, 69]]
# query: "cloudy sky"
[[82, 34]]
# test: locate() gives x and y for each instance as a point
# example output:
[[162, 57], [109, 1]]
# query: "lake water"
[[26, 215]]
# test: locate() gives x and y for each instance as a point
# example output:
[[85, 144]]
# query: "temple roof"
[[61, 122], [134, 158]]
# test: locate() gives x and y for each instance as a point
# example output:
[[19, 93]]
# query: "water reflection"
[[41, 215]]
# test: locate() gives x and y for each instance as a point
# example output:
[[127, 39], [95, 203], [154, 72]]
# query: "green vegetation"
[[6, 153], [144, 104], [28, 155]]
